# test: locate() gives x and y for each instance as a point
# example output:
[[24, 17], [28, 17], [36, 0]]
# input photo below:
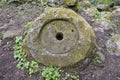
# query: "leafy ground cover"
[[16, 17]]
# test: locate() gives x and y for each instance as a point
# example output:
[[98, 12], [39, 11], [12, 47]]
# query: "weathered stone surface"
[[115, 17], [70, 2], [0, 42], [118, 2], [60, 37], [12, 33], [113, 45], [90, 11], [103, 25], [86, 3], [102, 7]]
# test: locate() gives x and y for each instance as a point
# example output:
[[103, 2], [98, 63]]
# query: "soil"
[[15, 17]]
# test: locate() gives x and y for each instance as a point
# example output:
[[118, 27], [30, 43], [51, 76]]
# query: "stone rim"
[[71, 46], [59, 57]]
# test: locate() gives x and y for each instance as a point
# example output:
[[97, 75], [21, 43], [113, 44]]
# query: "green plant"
[[46, 4], [80, 5], [18, 1], [100, 15], [73, 77], [27, 26], [51, 4], [2, 2], [20, 56], [51, 73], [99, 58], [18, 53], [96, 2], [33, 68]]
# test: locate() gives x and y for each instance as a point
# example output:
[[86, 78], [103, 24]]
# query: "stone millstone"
[[60, 37]]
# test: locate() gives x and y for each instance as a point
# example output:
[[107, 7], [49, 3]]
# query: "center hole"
[[59, 36]]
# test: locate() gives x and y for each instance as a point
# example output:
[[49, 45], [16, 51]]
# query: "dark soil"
[[20, 15]]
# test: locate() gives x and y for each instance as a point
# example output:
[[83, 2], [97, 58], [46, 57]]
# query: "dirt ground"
[[14, 17]]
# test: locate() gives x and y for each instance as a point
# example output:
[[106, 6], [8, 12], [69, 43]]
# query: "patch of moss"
[[70, 2]]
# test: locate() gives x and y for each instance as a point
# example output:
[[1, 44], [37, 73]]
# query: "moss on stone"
[[76, 45], [70, 2]]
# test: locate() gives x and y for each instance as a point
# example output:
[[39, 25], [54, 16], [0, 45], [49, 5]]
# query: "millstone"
[[60, 37]]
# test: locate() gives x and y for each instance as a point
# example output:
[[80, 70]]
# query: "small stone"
[[116, 7], [4, 27], [104, 24], [70, 2], [102, 7], [118, 2], [90, 11], [115, 17], [12, 33], [0, 42], [113, 45], [86, 3], [83, 4], [116, 12]]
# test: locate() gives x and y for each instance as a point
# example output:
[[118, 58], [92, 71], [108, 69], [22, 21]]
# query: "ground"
[[14, 17]]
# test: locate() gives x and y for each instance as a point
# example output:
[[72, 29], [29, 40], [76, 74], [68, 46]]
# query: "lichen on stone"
[[113, 45], [60, 37], [70, 2]]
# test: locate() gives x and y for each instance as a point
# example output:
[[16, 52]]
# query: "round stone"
[[60, 37], [56, 37]]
